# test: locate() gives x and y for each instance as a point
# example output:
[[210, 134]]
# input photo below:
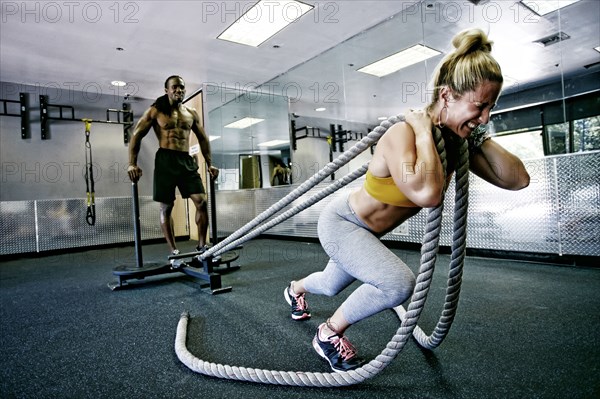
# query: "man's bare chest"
[[178, 120]]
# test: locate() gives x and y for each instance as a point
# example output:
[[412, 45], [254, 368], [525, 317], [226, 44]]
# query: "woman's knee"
[[329, 290], [318, 283], [397, 291]]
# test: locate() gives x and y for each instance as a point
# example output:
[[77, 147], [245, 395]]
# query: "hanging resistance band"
[[89, 176]]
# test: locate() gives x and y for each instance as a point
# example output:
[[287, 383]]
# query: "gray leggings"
[[356, 253]]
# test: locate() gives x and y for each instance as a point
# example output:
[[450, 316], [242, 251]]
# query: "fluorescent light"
[[402, 59], [118, 83], [211, 138], [543, 7], [597, 49], [264, 20], [382, 118], [244, 123], [273, 143], [321, 109]]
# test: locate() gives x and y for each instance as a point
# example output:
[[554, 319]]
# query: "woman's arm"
[[412, 159], [498, 166]]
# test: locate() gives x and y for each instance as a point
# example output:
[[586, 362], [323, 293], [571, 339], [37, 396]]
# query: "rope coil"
[[409, 317]]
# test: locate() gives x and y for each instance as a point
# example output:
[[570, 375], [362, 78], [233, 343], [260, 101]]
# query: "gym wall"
[[42, 191], [42, 181]]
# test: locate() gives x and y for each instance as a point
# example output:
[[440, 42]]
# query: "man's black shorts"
[[175, 169]]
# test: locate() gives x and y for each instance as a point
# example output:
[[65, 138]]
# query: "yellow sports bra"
[[385, 190]]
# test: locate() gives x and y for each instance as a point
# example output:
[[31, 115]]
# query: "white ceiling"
[[71, 44], [45, 42]]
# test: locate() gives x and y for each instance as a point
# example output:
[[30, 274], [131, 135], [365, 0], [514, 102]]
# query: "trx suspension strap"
[[89, 176]]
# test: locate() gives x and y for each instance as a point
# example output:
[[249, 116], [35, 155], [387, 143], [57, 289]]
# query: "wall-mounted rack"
[[22, 111], [67, 113]]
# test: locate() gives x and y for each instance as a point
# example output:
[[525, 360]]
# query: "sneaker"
[[298, 303], [201, 250], [338, 351]]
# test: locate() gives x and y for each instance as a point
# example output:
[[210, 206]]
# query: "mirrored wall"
[[250, 137], [549, 60], [548, 114]]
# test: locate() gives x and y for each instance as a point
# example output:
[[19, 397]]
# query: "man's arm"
[[204, 143], [139, 132]]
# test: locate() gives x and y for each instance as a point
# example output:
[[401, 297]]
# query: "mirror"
[[546, 59], [249, 133]]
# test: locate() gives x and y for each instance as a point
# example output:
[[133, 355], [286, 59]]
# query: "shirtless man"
[[279, 175], [174, 167]]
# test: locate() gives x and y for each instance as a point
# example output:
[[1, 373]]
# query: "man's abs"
[[173, 139]]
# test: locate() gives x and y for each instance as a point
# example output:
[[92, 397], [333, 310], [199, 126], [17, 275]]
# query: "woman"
[[404, 176]]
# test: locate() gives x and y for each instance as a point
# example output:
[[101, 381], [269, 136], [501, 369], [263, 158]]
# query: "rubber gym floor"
[[522, 329]]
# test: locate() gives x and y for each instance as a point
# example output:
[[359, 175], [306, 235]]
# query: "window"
[[557, 127], [586, 134], [557, 138], [527, 145]]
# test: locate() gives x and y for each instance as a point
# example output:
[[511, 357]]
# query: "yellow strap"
[[88, 124]]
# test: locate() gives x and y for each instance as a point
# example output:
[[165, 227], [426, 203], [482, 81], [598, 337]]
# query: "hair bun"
[[465, 68], [471, 40]]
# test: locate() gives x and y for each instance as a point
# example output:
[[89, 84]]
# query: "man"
[[279, 175], [172, 122]]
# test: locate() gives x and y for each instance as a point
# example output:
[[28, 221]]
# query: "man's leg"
[[166, 224], [199, 201]]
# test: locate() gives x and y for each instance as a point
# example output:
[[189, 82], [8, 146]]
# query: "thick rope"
[[459, 240], [350, 177], [409, 317]]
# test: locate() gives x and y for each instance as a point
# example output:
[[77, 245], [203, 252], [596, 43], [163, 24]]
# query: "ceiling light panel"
[[244, 123], [543, 7], [273, 143], [399, 60], [263, 20]]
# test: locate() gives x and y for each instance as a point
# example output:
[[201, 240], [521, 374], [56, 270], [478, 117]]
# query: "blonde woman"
[[404, 176]]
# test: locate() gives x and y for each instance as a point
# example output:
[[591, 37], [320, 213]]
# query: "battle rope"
[[461, 202], [350, 177], [89, 176], [409, 317]]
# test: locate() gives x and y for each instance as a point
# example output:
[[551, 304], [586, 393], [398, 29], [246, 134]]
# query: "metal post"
[[44, 117], [333, 136], [136, 225], [293, 134], [340, 134], [23, 107], [213, 212]]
